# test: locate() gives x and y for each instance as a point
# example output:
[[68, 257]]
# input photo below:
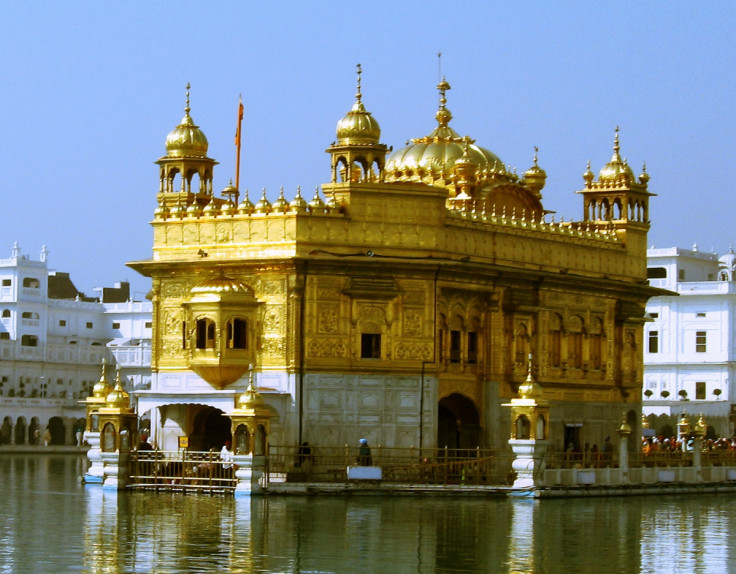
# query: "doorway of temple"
[[211, 429], [458, 424]]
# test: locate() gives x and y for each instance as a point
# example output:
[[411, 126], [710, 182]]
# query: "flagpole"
[[237, 145]]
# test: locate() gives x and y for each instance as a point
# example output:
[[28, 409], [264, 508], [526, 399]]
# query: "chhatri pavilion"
[[398, 303]]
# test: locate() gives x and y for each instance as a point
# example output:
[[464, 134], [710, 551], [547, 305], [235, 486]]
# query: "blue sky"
[[91, 89]]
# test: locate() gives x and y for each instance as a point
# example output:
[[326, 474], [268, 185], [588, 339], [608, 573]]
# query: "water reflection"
[[50, 523]]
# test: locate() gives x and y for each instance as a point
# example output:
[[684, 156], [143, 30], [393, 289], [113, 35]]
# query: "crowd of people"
[[653, 444]]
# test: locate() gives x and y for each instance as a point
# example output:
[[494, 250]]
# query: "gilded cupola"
[[186, 139], [432, 159], [102, 387], [616, 170], [357, 155], [118, 398], [358, 126], [535, 177]]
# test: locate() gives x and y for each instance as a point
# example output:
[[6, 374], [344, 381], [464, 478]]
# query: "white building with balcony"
[[53, 340], [689, 343]]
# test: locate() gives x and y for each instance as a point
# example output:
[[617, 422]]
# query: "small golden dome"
[[102, 387], [118, 398], [280, 205], [588, 176], [644, 176], [529, 389], [210, 209], [263, 205], [317, 205], [161, 212], [193, 210], [616, 170], [246, 206], [186, 139], [298, 204], [535, 177], [358, 126], [249, 399]]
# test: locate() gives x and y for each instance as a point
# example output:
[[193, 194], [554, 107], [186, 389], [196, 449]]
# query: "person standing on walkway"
[[364, 454], [47, 437]]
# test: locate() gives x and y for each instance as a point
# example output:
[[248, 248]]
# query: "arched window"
[[29, 341], [205, 334], [575, 343], [31, 282], [523, 428], [555, 340], [237, 333], [6, 313], [596, 345]]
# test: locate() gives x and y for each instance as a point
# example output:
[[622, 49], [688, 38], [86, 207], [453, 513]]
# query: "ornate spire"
[[443, 114], [187, 109], [358, 95], [530, 389], [616, 147]]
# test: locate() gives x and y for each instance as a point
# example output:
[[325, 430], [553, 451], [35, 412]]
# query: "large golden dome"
[[616, 170], [435, 155], [186, 139], [358, 126]]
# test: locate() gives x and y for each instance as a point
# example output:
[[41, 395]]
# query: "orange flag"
[[240, 120]]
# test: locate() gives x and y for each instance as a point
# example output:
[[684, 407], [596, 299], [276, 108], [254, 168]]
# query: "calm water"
[[50, 523]]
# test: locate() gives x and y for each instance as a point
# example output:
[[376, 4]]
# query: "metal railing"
[[181, 470], [398, 465]]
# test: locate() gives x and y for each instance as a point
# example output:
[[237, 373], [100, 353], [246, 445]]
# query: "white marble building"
[[53, 340], [689, 351]]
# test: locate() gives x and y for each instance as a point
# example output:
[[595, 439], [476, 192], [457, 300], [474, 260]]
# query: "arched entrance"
[[211, 429], [6, 431], [20, 431], [34, 432], [57, 430], [458, 424]]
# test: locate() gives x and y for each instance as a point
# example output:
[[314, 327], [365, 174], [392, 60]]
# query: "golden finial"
[[536, 152], [360, 71], [187, 108], [616, 146], [530, 389], [439, 66]]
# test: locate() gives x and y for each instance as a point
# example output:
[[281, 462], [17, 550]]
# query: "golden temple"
[[401, 302]]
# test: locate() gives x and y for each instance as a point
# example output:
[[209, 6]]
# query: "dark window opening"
[[205, 334], [472, 347], [656, 273], [237, 334], [29, 341], [31, 282], [370, 346], [700, 391], [654, 341], [700, 342], [454, 346]]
